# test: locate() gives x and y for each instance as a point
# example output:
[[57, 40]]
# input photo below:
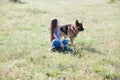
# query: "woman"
[[55, 36]]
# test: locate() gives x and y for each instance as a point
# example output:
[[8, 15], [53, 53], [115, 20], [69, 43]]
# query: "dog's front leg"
[[64, 36], [71, 40]]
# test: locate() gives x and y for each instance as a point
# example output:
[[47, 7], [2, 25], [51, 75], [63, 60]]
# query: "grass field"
[[24, 40]]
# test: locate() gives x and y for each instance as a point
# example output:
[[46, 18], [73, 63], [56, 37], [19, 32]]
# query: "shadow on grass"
[[89, 48], [78, 50], [17, 1], [60, 50], [1, 44]]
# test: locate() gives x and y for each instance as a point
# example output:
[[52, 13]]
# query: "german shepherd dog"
[[72, 30]]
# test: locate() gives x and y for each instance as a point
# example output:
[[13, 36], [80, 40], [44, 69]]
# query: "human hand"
[[62, 45]]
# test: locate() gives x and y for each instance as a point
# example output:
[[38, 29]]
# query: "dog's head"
[[79, 26]]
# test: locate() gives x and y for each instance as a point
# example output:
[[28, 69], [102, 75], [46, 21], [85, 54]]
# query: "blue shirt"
[[57, 32]]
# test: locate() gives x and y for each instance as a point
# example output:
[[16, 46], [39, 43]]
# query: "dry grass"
[[24, 40]]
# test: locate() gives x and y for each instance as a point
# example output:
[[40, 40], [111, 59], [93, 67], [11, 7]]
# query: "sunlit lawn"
[[24, 41]]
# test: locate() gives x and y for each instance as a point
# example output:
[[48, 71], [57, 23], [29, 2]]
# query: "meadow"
[[25, 43]]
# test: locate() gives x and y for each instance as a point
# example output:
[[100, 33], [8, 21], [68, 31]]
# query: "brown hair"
[[53, 25]]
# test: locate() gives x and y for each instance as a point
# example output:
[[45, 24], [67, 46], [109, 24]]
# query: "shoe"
[[52, 49], [72, 50]]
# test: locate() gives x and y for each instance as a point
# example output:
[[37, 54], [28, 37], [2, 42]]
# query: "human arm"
[[55, 36]]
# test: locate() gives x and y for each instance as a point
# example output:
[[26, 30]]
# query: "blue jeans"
[[56, 44]]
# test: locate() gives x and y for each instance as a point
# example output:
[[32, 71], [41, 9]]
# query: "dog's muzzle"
[[81, 29]]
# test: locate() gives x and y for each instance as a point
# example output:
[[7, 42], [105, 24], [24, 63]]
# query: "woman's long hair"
[[53, 25]]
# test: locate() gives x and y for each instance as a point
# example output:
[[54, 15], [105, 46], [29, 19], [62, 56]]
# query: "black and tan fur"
[[72, 30]]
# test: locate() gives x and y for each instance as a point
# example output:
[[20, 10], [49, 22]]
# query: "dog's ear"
[[77, 23]]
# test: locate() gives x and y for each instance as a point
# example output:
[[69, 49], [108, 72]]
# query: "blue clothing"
[[57, 32], [56, 44]]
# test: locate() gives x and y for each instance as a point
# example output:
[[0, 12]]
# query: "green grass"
[[24, 40], [111, 1]]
